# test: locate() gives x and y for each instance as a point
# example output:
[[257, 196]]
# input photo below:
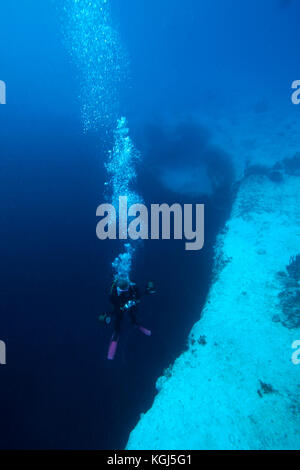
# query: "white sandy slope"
[[247, 137], [256, 138], [210, 399]]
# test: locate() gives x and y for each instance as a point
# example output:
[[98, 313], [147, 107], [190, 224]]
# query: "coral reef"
[[289, 296], [202, 340], [265, 389], [275, 176], [292, 165], [220, 259], [240, 390], [273, 173], [186, 160]]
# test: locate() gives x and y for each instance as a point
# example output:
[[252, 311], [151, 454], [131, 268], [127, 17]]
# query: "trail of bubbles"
[[121, 166], [96, 51], [123, 263], [121, 170]]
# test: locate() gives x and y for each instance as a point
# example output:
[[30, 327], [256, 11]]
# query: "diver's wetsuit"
[[119, 300]]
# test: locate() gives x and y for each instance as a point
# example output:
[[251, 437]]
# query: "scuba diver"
[[125, 297]]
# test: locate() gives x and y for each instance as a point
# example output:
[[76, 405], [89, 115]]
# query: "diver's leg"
[[117, 326], [145, 331], [115, 337], [133, 316]]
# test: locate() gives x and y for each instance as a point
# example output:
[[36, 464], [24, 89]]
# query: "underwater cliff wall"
[[236, 387]]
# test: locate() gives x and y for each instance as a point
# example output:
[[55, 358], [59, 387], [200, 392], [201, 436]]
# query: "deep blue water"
[[58, 390]]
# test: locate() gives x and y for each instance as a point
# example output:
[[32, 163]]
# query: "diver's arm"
[[148, 290]]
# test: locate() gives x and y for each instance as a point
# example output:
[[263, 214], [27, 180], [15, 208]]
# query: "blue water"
[[184, 59]]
